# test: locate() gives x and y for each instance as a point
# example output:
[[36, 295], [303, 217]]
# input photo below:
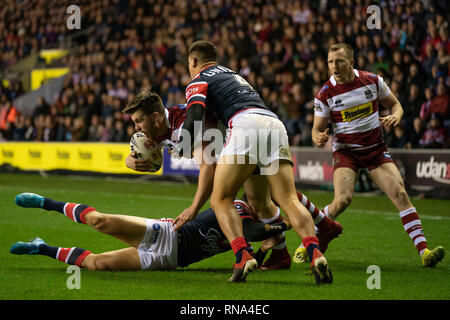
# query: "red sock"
[[73, 256], [413, 227], [238, 244], [315, 212], [311, 243]]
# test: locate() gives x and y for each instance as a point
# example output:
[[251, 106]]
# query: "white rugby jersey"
[[353, 109]]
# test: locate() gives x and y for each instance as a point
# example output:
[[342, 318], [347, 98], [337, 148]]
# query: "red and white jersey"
[[353, 109]]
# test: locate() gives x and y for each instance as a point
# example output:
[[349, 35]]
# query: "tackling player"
[[163, 124], [153, 244], [350, 100], [232, 100]]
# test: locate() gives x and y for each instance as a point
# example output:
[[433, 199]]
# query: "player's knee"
[[92, 262], [258, 205], [99, 222], [219, 202], [401, 195], [97, 263]]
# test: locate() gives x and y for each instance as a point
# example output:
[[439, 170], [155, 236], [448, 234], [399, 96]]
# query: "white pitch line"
[[105, 193], [387, 213], [188, 199]]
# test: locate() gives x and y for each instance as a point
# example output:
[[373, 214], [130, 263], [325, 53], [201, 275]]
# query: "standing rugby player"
[[350, 100], [236, 104]]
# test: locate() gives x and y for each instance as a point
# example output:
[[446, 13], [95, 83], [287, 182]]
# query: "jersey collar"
[[334, 82], [198, 74], [167, 118]]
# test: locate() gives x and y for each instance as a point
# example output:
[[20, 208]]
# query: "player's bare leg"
[[389, 180], [228, 179], [128, 229], [283, 191], [123, 259], [258, 195], [344, 180]]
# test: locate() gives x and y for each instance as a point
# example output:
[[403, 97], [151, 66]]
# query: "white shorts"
[[260, 137], [159, 248]]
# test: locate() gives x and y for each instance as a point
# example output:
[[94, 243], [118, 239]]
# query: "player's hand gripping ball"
[[147, 150]]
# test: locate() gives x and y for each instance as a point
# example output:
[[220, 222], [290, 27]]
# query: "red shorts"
[[368, 158]]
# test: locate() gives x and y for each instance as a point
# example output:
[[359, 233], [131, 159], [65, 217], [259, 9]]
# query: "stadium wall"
[[108, 158], [425, 172]]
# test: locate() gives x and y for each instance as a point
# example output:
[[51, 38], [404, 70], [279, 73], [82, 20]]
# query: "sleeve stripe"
[[198, 95], [196, 83], [195, 102]]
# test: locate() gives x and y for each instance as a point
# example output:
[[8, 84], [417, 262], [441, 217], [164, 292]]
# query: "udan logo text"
[[438, 171]]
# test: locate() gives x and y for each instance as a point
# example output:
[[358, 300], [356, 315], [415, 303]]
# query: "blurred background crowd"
[[280, 47]]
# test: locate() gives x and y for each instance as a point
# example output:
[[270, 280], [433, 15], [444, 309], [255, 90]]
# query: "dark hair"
[[204, 50], [147, 100]]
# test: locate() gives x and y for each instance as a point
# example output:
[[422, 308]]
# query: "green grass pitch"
[[373, 235]]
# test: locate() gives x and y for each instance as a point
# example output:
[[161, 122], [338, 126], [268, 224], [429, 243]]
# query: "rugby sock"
[[250, 248], [276, 218], [413, 227], [321, 220], [73, 211], [311, 243], [73, 256], [259, 256], [238, 245], [316, 213], [327, 213]]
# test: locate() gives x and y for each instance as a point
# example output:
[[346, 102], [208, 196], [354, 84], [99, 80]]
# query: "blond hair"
[[349, 52]]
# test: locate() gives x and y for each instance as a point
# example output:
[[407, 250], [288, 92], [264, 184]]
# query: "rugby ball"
[[145, 150]]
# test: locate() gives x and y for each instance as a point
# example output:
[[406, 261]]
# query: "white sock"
[[327, 213]]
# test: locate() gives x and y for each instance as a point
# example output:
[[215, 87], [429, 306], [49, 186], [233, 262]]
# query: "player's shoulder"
[[367, 76], [324, 91], [176, 107]]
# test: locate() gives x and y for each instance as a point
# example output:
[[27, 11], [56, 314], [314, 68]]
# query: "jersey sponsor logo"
[[357, 112], [196, 88], [192, 91], [317, 108], [269, 227]]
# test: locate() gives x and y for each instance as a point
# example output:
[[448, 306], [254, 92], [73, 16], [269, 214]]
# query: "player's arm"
[[193, 114], [204, 189], [135, 164], [391, 102], [320, 130], [195, 111]]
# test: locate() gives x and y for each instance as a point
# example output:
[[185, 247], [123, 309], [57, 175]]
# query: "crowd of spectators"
[[280, 47]]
